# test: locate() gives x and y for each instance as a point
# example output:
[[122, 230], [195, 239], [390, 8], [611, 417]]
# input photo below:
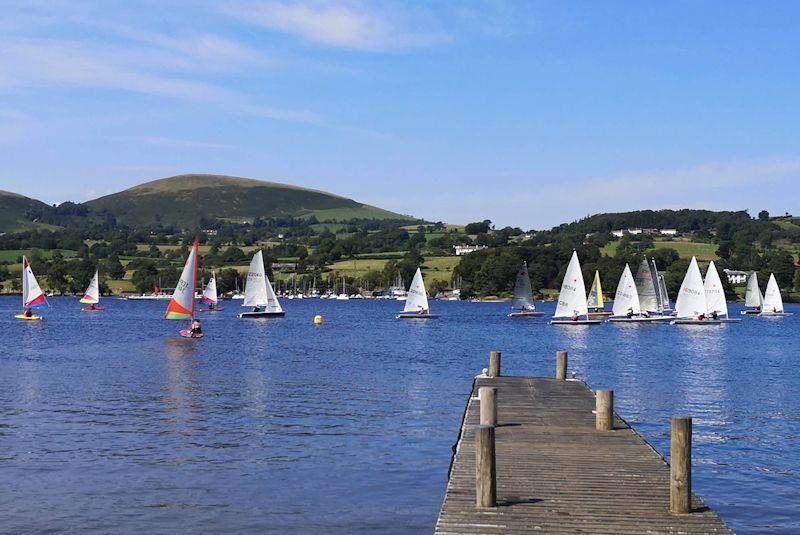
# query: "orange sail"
[[181, 306]]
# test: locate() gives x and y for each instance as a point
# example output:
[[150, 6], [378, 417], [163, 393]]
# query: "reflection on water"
[[112, 422]]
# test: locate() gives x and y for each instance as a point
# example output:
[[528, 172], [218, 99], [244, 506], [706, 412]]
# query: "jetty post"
[[561, 365], [488, 397], [485, 467], [680, 457], [494, 364], [604, 410]]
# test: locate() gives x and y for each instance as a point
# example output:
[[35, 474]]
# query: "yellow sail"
[[600, 302]]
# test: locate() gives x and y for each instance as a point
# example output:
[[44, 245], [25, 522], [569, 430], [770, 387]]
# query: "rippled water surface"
[[110, 422]]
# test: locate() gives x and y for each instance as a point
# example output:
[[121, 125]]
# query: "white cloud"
[[345, 24]]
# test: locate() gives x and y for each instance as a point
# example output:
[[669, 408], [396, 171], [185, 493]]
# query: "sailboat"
[[752, 296], [210, 295], [32, 295], [773, 302], [662, 291], [595, 301], [416, 306], [716, 305], [92, 295], [258, 292], [572, 299], [343, 296], [691, 306], [237, 294], [646, 288], [181, 304], [522, 305]]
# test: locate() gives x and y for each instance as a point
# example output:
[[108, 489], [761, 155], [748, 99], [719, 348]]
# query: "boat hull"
[[575, 322], [601, 313], [27, 318], [529, 314], [95, 309], [695, 322], [415, 316], [749, 312], [775, 314], [186, 333], [246, 315], [211, 309], [640, 319]]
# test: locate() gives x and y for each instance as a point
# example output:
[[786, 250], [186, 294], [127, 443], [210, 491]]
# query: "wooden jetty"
[[548, 464]]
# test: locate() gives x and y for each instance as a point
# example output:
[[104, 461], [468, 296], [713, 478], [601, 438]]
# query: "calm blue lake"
[[111, 422]]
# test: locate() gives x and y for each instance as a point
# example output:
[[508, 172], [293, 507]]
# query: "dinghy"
[[181, 304], [522, 305], [753, 299], [661, 290], [210, 295], [773, 302], [258, 292], [572, 299], [595, 301], [716, 305], [626, 308], [416, 306], [32, 296], [92, 295], [646, 288], [691, 307]]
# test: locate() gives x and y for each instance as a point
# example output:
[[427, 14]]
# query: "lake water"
[[110, 422]]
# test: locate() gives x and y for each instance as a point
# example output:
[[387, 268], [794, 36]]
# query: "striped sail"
[[626, 299], [417, 300], [181, 305], [523, 293], [595, 299], [648, 299], [92, 293], [572, 298], [32, 295]]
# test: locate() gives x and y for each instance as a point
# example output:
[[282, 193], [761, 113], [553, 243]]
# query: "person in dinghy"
[[195, 329], [422, 311]]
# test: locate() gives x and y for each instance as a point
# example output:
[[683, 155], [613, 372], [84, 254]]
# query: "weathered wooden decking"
[[556, 473]]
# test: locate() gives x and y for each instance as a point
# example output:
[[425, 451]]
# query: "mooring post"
[[488, 397], [485, 468], [680, 472], [604, 410], [561, 365], [494, 364]]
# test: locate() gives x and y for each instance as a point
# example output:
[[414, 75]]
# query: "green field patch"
[[11, 255]]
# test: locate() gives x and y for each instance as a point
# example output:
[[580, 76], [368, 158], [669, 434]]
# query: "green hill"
[[14, 209], [183, 200]]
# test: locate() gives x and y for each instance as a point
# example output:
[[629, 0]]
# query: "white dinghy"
[[416, 306], [691, 307], [753, 299], [572, 299], [258, 292], [773, 302], [716, 305], [522, 305], [627, 308]]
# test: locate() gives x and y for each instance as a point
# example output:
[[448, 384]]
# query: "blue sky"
[[527, 113]]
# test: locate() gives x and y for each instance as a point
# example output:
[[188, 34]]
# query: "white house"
[[735, 276], [618, 233], [669, 232], [461, 250]]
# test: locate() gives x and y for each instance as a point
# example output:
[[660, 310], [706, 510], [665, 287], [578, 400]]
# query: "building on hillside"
[[648, 231], [668, 232], [618, 233], [209, 231], [736, 277], [284, 266], [461, 250], [634, 231]]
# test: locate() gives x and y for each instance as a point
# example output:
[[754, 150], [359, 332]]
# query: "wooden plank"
[[556, 473]]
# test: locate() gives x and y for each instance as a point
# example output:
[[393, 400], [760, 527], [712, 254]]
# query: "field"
[[434, 267], [686, 249], [356, 212]]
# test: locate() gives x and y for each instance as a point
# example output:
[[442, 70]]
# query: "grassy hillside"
[[13, 208], [183, 200]]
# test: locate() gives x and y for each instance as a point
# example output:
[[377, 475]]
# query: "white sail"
[[273, 305], [691, 301], [595, 299], [210, 292], [32, 295], [627, 298], [523, 294], [646, 288], [753, 297], [255, 289], [773, 302], [417, 300], [181, 304], [572, 299], [715, 295], [662, 288], [92, 293]]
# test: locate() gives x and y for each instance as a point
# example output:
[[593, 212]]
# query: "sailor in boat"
[[574, 315], [92, 307], [421, 311], [256, 309], [630, 313], [195, 329], [28, 313], [211, 306], [714, 315], [701, 317]]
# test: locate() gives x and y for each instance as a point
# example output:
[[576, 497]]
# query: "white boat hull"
[[415, 316], [640, 319], [261, 315], [695, 322], [568, 321], [528, 314], [777, 314]]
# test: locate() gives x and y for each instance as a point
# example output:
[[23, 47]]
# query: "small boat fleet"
[[639, 298]]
